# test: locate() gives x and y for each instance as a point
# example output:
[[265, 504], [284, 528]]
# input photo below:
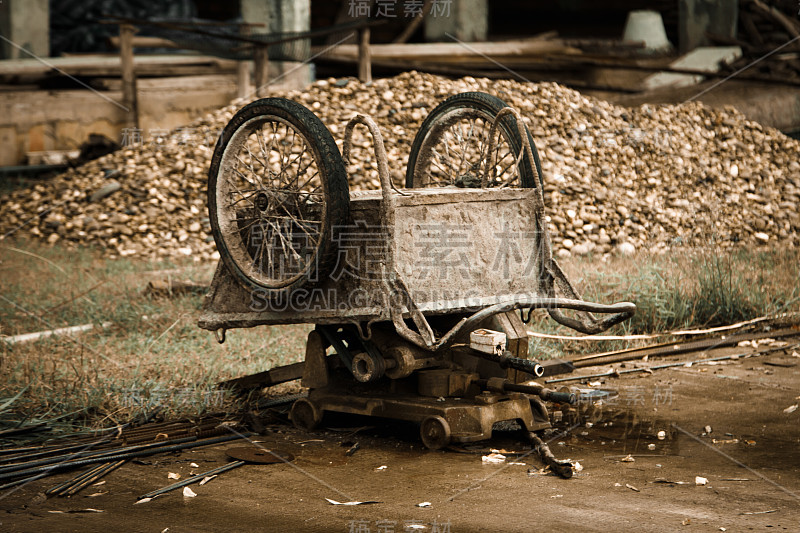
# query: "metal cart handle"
[[393, 283], [424, 336], [621, 311]]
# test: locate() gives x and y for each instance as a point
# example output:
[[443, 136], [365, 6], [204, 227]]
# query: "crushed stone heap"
[[620, 179]]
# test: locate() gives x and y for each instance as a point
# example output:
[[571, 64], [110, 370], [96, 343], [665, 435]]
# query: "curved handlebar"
[[621, 311]]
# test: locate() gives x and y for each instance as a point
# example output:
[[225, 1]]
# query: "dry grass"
[[685, 289], [153, 352]]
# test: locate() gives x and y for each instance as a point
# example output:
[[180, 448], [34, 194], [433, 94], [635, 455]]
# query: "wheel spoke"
[[273, 201], [455, 148]]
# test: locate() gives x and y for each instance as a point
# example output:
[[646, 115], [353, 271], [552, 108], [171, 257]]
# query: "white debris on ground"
[[617, 180], [493, 459]]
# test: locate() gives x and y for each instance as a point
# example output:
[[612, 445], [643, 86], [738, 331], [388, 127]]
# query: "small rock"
[[493, 458], [669, 175], [626, 249], [581, 249], [106, 190]]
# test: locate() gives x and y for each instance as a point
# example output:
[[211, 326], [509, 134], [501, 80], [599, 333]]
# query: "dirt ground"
[[751, 460]]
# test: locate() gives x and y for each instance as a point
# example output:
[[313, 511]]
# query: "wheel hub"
[[262, 201]]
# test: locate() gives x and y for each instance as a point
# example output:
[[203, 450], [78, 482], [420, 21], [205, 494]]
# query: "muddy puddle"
[[615, 420], [749, 461]]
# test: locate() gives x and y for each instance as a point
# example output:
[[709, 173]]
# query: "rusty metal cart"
[[418, 294]]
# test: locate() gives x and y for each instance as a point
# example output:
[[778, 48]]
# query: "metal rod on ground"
[[56, 489], [562, 468], [29, 457], [23, 480], [193, 479], [128, 436], [23, 449], [87, 481], [14, 467], [130, 455], [25, 429], [670, 365], [283, 400], [105, 451], [39, 452], [674, 348]]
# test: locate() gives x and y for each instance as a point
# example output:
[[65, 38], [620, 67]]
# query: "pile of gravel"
[[616, 179]]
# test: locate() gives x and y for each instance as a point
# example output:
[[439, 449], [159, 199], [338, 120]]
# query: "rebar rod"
[[129, 455], [193, 479]]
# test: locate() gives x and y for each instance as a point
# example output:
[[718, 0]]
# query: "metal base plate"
[[469, 419]]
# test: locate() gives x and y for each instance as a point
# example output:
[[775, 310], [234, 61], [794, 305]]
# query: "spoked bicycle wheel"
[[277, 191], [452, 147]]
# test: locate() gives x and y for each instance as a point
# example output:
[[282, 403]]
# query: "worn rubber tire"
[[484, 105], [435, 432], [333, 177]]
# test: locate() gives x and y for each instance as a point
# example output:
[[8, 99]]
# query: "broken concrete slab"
[[703, 58]]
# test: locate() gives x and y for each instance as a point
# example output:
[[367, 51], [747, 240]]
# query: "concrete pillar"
[[27, 24], [466, 20], [293, 15], [256, 12], [695, 17], [283, 16], [290, 15]]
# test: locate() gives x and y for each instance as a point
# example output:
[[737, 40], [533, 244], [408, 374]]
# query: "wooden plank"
[[415, 23], [109, 65], [315, 370], [126, 32], [364, 56], [243, 72], [268, 378], [448, 52], [261, 59], [222, 81], [706, 73], [750, 28], [770, 11], [145, 42]]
